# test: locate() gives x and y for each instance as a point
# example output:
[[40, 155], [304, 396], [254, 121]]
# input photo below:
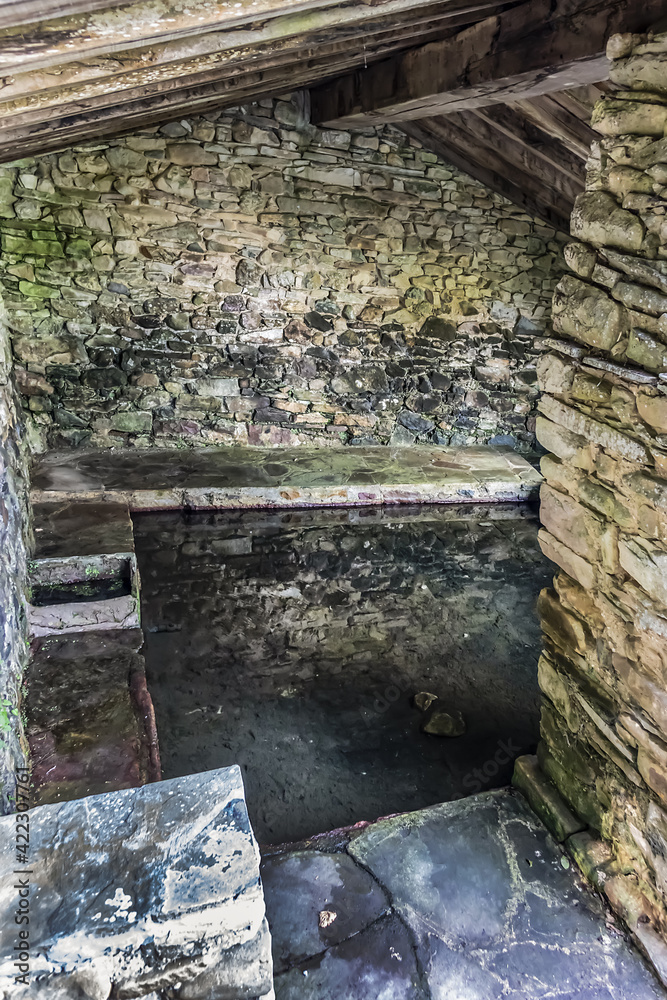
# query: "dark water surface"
[[293, 643]]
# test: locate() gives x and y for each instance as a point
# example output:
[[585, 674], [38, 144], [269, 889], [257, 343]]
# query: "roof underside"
[[501, 89]]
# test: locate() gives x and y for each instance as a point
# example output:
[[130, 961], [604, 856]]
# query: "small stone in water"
[[424, 700], [444, 724]]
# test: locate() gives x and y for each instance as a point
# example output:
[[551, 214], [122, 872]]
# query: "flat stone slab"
[[84, 574], [482, 905], [67, 528], [303, 477], [89, 717], [138, 891]]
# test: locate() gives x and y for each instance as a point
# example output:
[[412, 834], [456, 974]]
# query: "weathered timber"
[[18, 12], [65, 124], [539, 192], [138, 25], [509, 120], [47, 109], [535, 48], [189, 61], [549, 114]]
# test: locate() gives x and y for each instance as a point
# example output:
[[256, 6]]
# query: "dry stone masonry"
[[604, 505], [247, 278], [14, 522]]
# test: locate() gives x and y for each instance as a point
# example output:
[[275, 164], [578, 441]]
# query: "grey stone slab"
[[497, 909], [240, 972], [445, 867], [377, 964], [316, 900], [240, 477], [136, 891], [68, 528], [84, 728]]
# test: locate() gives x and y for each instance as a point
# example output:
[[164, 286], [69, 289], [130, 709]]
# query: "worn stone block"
[[570, 522], [544, 799], [586, 313], [141, 890], [573, 564], [647, 564], [568, 446], [653, 411], [597, 218]]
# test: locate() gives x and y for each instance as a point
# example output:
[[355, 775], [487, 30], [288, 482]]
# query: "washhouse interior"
[[333, 547]]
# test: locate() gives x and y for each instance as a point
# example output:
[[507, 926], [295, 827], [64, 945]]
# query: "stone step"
[[471, 899], [66, 528], [89, 717], [285, 477], [84, 574]]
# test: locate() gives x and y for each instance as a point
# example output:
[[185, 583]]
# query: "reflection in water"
[[294, 643]]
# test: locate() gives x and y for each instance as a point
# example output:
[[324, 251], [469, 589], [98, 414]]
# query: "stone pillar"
[[603, 418]]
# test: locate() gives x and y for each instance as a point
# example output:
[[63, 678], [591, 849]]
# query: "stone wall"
[[604, 504], [245, 277], [13, 575]]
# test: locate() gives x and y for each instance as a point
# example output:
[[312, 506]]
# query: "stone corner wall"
[[248, 278], [14, 541], [603, 418]]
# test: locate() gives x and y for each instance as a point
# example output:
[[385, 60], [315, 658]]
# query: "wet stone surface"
[[140, 892], [88, 720], [469, 900], [294, 644], [236, 477]]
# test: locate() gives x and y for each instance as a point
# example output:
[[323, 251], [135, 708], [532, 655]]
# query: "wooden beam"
[[86, 79], [19, 12], [71, 124], [251, 66], [548, 113], [137, 25], [517, 127], [535, 48], [544, 193]]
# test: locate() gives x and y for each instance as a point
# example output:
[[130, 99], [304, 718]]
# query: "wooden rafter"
[[537, 47]]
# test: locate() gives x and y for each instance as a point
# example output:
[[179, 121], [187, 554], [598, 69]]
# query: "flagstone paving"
[[470, 900]]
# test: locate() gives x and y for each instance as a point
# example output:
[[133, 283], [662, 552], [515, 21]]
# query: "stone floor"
[[264, 477], [470, 900]]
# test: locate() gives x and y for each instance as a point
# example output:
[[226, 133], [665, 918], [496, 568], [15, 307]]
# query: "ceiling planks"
[[535, 48], [503, 88]]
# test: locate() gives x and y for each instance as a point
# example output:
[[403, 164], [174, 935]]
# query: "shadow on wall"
[[246, 278]]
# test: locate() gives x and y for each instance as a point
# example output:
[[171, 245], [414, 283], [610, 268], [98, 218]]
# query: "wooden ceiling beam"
[[508, 120], [14, 13], [535, 48], [83, 80], [157, 23], [53, 118], [548, 114], [551, 169]]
